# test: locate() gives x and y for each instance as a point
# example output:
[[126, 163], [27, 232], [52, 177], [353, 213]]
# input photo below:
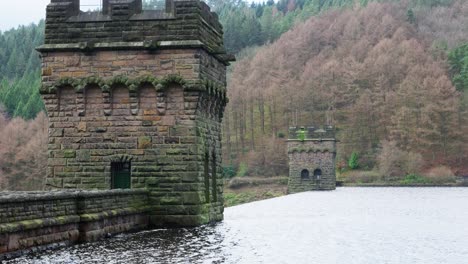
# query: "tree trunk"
[[242, 127], [252, 134], [227, 128], [261, 108], [236, 129]]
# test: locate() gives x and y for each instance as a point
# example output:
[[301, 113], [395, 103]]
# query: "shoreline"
[[251, 189], [403, 185]]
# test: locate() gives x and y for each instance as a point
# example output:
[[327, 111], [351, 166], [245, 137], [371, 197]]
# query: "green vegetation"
[[229, 171], [20, 70], [301, 134], [439, 176], [242, 170], [413, 179], [353, 161], [458, 62]]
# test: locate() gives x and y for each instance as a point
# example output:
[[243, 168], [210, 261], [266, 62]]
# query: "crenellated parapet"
[[123, 25], [312, 133]]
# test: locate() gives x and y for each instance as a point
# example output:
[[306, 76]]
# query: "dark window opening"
[[305, 175], [206, 177], [318, 174], [214, 180], [121, 175]]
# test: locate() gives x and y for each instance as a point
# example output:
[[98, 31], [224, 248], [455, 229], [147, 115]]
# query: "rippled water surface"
[[349, 225]]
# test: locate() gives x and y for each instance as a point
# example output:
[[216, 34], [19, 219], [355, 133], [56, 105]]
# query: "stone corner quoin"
[[135, 99]]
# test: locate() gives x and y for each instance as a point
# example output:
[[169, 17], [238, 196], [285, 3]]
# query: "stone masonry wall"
[[40, 220], [311, 155], [142, 87], [157, 128]]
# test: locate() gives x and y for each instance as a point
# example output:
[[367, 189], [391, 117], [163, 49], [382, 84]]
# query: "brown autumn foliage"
[[23, 153], [440, 174], [368, 71]]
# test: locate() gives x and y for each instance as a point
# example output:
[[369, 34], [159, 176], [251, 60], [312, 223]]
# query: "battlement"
[[312, 133], [123, 24]]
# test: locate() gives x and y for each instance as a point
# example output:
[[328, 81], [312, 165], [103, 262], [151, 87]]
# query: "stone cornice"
[[220, 55], [134, 84]]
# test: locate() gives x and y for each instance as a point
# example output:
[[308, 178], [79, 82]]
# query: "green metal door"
[[121, 175]]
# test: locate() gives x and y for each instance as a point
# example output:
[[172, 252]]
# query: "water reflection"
[[350, 225]]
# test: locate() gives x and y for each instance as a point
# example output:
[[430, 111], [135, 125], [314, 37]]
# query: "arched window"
[[305, 175], [317, 174], [90, 5]]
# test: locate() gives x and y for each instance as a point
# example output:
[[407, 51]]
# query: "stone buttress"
[[135, 100]]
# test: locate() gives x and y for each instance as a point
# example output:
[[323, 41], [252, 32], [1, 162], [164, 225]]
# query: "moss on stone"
[[69, 153]]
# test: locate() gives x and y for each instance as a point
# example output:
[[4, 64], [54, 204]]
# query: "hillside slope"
[[379, 73]]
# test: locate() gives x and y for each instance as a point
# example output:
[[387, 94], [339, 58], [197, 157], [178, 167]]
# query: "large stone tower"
[[135, 99], [312, 153]]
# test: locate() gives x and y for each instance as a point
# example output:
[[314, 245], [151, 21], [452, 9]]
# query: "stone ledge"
[[221, 55], [38, 223], [19, 197], [113, 213], [116, 192]]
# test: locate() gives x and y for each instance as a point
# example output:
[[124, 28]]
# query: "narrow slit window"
[[121, 175], [206, 177], [90, 5], [214, 180]]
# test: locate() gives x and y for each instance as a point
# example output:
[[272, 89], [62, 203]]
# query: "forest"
[[390, 75]]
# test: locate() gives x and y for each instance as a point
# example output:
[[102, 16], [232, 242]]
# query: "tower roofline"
[[123, 24]]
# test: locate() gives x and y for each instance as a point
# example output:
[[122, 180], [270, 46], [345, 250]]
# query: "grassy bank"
[[249, 189], [373, 178]]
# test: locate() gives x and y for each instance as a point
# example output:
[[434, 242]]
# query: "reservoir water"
[[349, 225]]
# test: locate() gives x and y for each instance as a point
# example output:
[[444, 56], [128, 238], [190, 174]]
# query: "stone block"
[[147, 123], [192, 198], [81, 127], [144, 142], [83, 155], [56, 132], [69, 153], [170, 200]]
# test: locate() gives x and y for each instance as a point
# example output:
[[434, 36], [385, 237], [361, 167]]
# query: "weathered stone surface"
[[312, 153], [34, 219], [144, 142], [118, 90]]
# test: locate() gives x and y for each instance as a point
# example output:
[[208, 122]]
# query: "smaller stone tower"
[[312, 153]]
